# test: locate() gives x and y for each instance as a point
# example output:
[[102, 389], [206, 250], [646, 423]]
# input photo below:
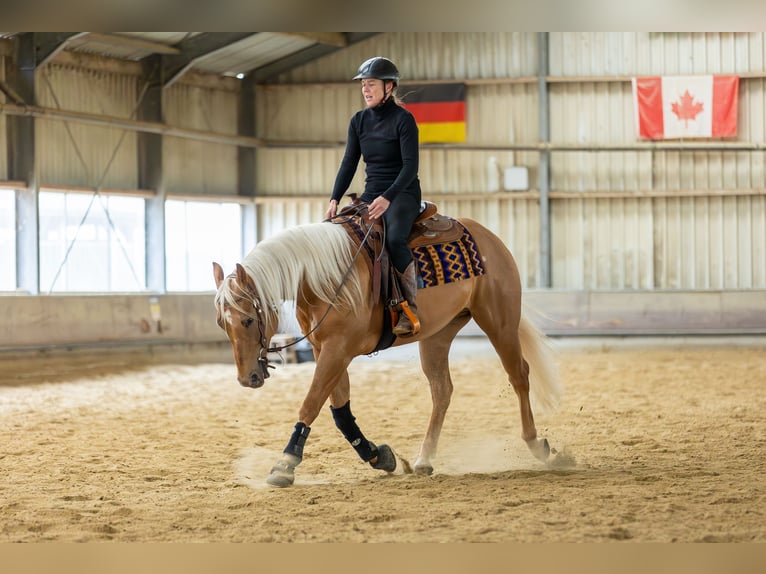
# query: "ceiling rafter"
[[265, 73], [118, 40], [194, 48], [337, 39], [46, 46], [174, 61]]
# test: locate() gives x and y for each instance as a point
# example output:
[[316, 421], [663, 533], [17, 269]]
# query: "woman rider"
[[386, 135]]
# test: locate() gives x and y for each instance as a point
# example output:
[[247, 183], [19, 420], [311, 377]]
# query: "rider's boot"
[[408, 323]]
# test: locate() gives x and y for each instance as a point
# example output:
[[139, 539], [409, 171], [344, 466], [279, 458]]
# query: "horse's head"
[[241, 315]]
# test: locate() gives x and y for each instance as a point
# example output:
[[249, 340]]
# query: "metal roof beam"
[[194, 48], [265, 73], [118, 40], [292, 61], [46, 46], [354, 37], [337, 39]]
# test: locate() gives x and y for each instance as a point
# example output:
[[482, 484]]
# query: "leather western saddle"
[[430, 228]]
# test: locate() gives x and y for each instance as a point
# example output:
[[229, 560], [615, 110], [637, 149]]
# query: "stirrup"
[[414, 321]]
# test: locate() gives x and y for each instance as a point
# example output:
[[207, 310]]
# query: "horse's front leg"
[[329, 372], [380, 457]]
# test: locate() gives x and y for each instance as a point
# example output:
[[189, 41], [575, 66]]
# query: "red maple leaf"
[[685, 109]]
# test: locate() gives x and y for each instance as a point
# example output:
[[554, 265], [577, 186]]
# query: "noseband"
[[263, 355]]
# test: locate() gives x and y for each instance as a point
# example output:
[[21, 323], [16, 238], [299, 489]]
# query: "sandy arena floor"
[[666, 442]]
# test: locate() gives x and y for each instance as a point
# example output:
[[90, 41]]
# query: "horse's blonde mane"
[[312, 258]]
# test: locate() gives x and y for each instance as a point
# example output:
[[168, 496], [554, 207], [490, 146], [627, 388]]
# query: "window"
[[196, 234], [7, 240], [91, 243]]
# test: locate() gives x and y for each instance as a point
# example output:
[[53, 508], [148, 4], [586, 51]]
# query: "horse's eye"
[[247, 322]]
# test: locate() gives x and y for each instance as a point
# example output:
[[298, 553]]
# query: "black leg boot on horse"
[[408, 324], [380, 457]]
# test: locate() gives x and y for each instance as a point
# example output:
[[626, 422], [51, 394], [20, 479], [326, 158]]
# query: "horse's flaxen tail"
[[544, 384]]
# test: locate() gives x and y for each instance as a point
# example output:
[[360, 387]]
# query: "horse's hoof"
[[424, 469], [280, 480], [282, 474], [540, 448], [386, 459]]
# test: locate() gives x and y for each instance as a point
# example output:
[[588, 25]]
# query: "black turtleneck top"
[[387, 138]]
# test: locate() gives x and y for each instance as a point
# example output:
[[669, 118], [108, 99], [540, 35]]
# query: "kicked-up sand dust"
[[657, 442]]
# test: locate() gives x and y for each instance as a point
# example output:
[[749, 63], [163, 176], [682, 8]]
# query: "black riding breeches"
[[400, 216]]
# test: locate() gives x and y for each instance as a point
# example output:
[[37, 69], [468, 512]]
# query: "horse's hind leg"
[[434, 359], [501, 328]]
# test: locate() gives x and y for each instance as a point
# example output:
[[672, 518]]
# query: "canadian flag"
[[673, 107]]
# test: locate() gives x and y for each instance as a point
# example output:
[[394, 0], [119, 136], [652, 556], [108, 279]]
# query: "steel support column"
[[543, 181], [150, 176], [22, 167], [246, 161], [34, 49]]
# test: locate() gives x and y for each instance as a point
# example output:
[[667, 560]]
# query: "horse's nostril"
[[255, 381], [251, 381]]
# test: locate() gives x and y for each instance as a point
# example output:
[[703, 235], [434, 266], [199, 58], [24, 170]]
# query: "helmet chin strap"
[[386, 95]]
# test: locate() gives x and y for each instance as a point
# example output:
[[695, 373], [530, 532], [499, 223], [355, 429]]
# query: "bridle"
[[263, 355]]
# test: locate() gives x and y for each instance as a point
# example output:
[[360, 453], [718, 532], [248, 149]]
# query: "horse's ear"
[[218, 274], [244, 280]]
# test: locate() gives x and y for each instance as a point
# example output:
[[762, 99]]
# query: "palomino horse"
[[315, 266]]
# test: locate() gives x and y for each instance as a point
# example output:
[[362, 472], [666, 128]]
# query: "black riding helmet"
[[379, 68]]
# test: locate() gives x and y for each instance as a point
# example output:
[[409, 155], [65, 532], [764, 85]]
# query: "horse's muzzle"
[[255, 378], [253, 381]]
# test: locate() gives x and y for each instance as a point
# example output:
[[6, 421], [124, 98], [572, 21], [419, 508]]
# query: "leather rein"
[[347, 213]]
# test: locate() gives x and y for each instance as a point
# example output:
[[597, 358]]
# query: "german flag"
[[439, 110]]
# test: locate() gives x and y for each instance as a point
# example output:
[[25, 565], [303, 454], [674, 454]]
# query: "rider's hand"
[[332, 209], [378, 207]]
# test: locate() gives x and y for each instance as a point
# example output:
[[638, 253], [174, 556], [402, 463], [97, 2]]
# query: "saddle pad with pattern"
[[448, 262], [438, 263]]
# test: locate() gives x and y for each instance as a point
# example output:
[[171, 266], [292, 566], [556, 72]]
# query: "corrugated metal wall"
[[274, 215], [496, 115], [602, 242], [83, 155], [431, 56], [3, 128], [317, 113], [194, 167], [302, 106], [655, 53], [79, 154], [708, 233], [619, 219], [611, 226]]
